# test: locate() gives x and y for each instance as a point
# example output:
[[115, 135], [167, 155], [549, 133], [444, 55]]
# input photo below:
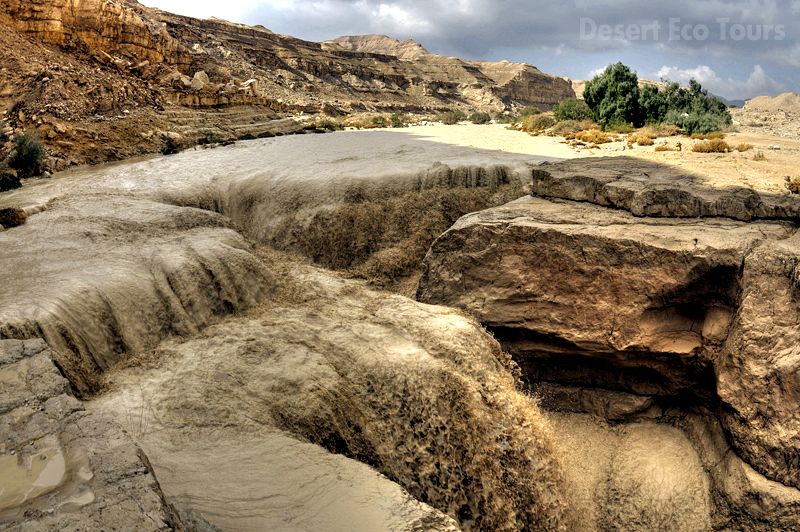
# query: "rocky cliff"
[[633, 278], [108, 79]]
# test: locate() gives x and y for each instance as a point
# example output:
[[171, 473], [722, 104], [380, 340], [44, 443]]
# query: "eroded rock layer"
[[688, 310]]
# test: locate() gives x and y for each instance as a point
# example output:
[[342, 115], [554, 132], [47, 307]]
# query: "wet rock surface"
[[417, 392], [62, 467], [650, 299]]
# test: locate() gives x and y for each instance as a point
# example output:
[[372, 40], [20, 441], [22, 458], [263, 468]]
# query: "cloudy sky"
[[736, 48]]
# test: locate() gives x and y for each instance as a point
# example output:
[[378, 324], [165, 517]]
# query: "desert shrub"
[[572, 109], [693, 123], [566, 127], [8, 181], [591, 136], [27, 155], [621, 128], [329, 124], [379, 121], [529, 111], [398, 120], [711, 146], [665, 147], [642, 138], [504, 118], [743, 147], [793, 184], [12, 217], [536, 123], [759, 156], [452, 117], [480, 118]]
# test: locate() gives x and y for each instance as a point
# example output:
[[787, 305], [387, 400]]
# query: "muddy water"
[[237, 419], [28, 477]]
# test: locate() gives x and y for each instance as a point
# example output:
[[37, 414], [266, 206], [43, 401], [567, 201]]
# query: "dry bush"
[[714, 135], [642, 138], [711, 146], [592, 136], [566, 127], [622, 129], [666, 147], [661, 130], [536, 123], [744, 147], [367, 121], [793, 184], [588, 124], [759, 156]]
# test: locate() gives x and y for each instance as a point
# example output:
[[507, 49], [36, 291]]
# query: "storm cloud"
[[738, 48]]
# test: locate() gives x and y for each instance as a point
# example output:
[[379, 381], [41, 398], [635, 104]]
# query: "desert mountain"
[[78, 72], [408, 49], [773, 115]]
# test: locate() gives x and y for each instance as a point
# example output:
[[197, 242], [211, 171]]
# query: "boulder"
[[12, 217], [560, 280], [199, 81], [648, 189], [699, 310]]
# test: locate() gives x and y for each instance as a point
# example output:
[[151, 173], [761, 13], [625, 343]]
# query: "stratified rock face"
[[102, 25], [526, 84], [61, 467], [381, 44], [701, 308]]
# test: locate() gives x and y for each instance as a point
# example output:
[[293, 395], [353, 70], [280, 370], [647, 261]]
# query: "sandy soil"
[[719, 169]]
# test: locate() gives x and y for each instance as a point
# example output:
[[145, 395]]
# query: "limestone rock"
[[560, 279], [62, 467], [701, 308], [649, 189], [760, 367]]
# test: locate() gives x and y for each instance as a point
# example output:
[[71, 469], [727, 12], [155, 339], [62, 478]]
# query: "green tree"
[[572, 109], [613, 96], [652, 104]]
